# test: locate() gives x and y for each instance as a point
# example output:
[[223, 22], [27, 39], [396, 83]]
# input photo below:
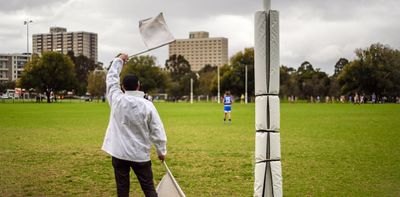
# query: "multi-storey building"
[[12, 65], [200, 50], [81, 43]]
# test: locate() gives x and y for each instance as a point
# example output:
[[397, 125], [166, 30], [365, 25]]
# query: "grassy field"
[[327, 150]]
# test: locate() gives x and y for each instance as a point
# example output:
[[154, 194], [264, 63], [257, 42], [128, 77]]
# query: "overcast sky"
[[314, 30]]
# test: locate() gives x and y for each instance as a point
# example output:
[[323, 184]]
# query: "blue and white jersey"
[[227, 100], [227, 103]]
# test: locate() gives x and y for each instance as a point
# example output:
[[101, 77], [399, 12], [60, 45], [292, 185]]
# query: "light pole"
[[27, 33], [245, 86], [191, 87], [191, 90], [219, 89]]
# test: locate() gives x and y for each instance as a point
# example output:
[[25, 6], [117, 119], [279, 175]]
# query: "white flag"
[[168, 187], [155, 32]]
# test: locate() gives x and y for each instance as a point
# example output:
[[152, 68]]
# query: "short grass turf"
[[327, 150]]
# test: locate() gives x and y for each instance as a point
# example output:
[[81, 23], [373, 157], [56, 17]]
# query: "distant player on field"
[[228, 100]]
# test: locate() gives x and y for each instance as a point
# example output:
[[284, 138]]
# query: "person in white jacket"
[[133, 127]]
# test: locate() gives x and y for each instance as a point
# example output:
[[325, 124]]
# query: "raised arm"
[[113, 79]]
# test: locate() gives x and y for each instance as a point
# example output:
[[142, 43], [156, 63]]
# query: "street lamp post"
[[245, 85], [27, 34], [191, 90], [219, 89]]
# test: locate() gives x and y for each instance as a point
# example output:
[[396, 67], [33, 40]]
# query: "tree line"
[[375, 70], [56, 73]]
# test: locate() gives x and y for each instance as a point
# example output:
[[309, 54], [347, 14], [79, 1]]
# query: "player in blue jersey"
[[228, 100]]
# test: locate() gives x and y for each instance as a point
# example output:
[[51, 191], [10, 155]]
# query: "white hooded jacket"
[[134, 122]]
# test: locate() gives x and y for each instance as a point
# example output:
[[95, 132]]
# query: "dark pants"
[[143, 173]]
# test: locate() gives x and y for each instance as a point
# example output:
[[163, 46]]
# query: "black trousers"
[[143, 172]]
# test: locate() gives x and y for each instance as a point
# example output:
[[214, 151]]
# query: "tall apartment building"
[[59, 39], [12, 65], [200, 50]]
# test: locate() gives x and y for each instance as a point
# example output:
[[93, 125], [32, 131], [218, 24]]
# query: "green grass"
[[327, 150]]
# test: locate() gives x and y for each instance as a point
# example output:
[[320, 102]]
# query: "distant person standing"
[[326, 99], [356, 99], [342, 99], [133, 128], [227, 100], [373, 98]]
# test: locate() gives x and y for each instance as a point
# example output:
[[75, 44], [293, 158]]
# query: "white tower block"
[[268, 172]]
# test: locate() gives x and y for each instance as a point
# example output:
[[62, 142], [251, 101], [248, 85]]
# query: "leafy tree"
[[310, 81], [83, 66], [207, 76], [304, 78], [97, 83], [334, 87], [288, 83], [340, 65], [233, 76], [375, 70], [7, 85], [321, 83], [178, 66], [225, 72], [151, 77], [180, 73], [50, 73]]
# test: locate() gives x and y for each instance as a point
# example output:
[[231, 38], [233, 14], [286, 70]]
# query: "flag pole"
[[173, 180], [145, 51]]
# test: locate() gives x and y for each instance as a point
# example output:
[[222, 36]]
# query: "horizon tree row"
[[375, 70]]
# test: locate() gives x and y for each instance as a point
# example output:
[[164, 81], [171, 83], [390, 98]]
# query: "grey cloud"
[[16, 5], [323, 31], [314, 30]]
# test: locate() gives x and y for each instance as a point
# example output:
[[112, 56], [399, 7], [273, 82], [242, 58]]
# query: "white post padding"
[[261, 52], [264, 142], [266, 56], [268, 179], [268, 170], [259, 179], [267, 113], [274, 52]]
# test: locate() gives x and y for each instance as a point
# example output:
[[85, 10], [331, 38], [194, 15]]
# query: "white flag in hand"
[[168, 187], [155, 32]]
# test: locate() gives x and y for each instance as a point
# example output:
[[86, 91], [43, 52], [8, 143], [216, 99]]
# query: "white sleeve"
[[157, 132], [112, 80]]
